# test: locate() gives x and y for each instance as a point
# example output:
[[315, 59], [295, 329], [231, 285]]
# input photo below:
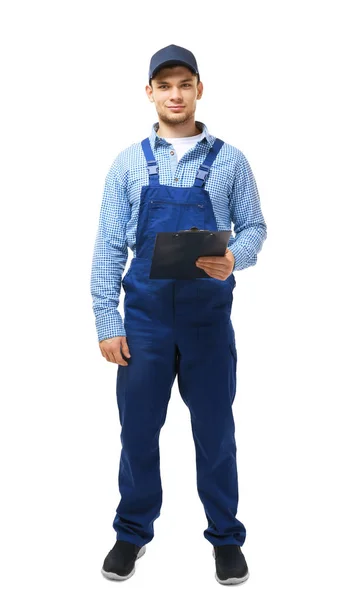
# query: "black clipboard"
[[175, 253]]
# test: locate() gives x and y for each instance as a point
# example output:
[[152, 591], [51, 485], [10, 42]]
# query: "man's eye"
[[164, 86]]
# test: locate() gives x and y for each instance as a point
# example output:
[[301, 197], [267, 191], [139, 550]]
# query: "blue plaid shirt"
[[233, 193]]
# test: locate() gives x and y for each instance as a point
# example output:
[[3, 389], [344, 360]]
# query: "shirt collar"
[[155, 140]]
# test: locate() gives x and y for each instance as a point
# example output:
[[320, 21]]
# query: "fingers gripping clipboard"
[[175, 253]]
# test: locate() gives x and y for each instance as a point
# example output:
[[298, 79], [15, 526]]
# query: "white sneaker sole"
[[231, 580], [117, 577]]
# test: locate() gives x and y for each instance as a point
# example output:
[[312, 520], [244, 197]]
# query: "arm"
[[245, 212], [110, 256]]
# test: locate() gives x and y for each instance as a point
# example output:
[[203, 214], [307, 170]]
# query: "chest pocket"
[[172, 216]]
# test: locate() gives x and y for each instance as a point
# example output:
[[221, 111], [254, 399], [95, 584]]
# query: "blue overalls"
[[176, 327]]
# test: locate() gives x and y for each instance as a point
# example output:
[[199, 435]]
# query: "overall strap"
[[204, 168], [152, 166]]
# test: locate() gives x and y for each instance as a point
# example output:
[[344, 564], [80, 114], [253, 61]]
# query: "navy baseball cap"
[[172, 55]]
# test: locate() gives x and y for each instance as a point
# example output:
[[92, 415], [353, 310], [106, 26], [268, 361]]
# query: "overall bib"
[[176, 327]]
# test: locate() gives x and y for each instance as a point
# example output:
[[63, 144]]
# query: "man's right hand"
[[114, 349]]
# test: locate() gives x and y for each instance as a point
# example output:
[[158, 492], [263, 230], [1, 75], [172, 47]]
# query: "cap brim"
[[169, 63]]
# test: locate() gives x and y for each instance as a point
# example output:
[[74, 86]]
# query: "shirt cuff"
[[110, 325], [242, 256]]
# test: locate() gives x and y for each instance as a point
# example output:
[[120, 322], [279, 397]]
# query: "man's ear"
[[150, 97]]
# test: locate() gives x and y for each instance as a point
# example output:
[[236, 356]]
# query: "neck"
[[186, 129]]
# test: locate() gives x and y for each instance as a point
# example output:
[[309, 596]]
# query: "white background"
[[280, 83]]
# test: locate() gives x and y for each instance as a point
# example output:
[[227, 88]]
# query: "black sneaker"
[[230, 564], [120, 562]]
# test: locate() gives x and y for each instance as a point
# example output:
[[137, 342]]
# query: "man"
[[180, 177]]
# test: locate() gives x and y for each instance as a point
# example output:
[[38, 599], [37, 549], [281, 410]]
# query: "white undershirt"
[[183, 144]]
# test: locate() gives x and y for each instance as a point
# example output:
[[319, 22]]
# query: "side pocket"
[[232, 281], [233, 350], [124, 280]]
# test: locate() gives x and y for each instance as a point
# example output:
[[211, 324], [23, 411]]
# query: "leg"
[[207, 384], [143, 393]]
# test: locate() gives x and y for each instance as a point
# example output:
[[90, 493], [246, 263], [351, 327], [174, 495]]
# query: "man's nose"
[[175, 94]]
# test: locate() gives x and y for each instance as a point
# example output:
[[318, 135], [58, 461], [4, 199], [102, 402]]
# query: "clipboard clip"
[[192, 229]]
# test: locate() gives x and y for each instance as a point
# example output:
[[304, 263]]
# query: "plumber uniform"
[[176, 327]]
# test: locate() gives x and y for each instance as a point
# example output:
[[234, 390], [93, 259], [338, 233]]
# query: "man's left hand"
[[219, 267]]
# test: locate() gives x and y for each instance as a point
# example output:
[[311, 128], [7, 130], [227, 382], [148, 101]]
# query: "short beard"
[[181, 119]]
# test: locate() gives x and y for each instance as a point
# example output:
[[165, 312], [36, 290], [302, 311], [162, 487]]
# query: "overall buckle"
[[203, 172], [153, 168]]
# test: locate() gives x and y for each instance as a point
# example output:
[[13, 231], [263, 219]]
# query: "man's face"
[[174, 92]]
